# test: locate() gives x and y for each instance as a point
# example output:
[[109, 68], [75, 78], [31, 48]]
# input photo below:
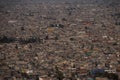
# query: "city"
[[59, 40]]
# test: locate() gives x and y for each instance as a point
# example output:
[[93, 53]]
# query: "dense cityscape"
[[59, 40]]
